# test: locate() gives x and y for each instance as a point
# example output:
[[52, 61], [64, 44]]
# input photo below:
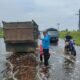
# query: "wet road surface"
[[3, 56], [60, 68]]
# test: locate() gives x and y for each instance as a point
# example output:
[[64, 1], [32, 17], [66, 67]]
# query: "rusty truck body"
[[20, 36]]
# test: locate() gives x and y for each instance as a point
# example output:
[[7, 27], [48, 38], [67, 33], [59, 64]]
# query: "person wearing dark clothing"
[[46, 56], [68, 37], [45, 45]]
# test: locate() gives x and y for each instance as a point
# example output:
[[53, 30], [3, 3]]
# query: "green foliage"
[[74, 34], [1, 32]]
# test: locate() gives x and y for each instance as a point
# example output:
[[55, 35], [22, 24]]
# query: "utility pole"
[[58, 24], [79, 19]]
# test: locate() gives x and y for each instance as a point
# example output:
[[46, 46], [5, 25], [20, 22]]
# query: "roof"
[[52, 29], [19, 24]]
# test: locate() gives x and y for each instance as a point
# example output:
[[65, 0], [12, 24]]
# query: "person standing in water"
[[46, 45]]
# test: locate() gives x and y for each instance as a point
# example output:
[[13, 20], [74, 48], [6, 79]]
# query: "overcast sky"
[[47, 13]]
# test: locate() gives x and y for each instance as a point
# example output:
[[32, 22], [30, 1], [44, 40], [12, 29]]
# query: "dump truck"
[[20, 36]]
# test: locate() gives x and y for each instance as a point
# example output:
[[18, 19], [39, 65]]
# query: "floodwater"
[[60, 68], [3, 56]]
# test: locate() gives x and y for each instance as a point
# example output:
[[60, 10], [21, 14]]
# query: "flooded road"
[[60, 67], [3, 54]]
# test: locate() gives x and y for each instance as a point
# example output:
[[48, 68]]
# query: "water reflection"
[[3, 55], [44, 72], [68, 69]]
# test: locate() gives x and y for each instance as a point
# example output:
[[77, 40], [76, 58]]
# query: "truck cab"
[[54, 35]]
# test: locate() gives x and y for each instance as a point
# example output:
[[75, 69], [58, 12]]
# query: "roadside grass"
[[74, 34], [1, 32]]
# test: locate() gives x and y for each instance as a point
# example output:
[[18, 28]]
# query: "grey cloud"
[[47, 13]]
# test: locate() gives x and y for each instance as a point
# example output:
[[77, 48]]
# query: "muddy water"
[[3, 55], [2, 58], [60, 67]]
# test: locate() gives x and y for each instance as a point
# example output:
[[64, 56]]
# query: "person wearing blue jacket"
[[46, 45]]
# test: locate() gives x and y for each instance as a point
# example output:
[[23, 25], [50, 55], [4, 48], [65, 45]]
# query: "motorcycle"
[[69, 47]]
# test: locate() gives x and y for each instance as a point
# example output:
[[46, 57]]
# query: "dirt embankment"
[[22, 67]]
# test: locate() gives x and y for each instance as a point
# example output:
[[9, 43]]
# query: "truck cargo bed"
[[20, 36]]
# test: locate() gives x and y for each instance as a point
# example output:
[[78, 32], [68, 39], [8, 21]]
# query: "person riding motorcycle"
[[68, 37], [69, 43]]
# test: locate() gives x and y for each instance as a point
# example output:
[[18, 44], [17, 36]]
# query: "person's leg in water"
[[41, 58], [41, 53], [46, 56], [45, 60]]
